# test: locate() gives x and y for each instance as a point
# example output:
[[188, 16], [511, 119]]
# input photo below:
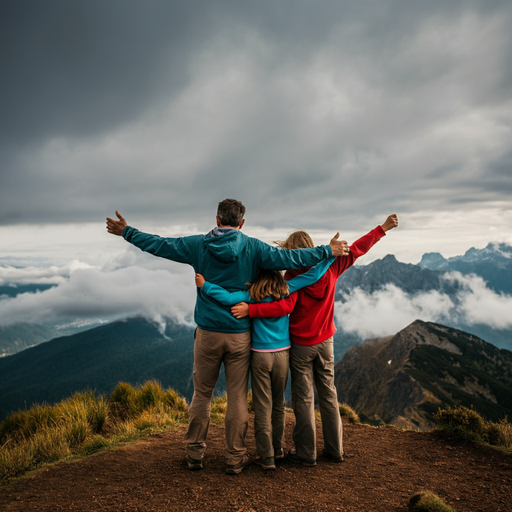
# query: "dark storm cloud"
[[72, 67], [308, 112]]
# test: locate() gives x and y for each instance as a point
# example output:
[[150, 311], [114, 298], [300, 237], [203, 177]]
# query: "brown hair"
[[297, 240], [231, 212], [268, 283]]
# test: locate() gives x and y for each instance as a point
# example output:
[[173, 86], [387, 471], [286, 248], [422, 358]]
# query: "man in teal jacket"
[[228, 258]]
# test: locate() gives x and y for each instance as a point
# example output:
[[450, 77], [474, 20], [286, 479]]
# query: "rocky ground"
[[385, 469]]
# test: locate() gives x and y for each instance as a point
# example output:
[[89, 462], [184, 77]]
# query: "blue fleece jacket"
[[230, 260], [269, 334]]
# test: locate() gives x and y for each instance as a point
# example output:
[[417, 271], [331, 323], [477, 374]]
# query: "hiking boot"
[[234, 469], [265, 462], [279, 454], [193, 464], [293, 457], [332, 458]]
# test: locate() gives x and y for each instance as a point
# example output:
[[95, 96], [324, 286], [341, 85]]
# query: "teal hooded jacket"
[[229, 260]]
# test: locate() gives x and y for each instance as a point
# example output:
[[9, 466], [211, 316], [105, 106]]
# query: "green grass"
[[85, 424], [428, 502], [347, 412]]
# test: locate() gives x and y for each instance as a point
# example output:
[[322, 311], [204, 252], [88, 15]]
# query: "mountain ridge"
[[403, 379]]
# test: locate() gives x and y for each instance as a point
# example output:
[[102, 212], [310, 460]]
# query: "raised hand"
[[200, 280], [339, 247], [116, 227], [390, 223], [240, 310]]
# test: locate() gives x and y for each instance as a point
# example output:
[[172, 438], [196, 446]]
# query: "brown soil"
[[386, 468]]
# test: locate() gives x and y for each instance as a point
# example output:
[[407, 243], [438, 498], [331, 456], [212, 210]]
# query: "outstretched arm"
[[180, 249], [220, 294], [365, 243], [273, 258]]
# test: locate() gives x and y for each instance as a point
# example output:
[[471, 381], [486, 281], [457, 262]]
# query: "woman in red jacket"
[[311, 356]]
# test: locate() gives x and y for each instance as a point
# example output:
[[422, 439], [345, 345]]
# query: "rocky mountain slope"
[[403, 379]]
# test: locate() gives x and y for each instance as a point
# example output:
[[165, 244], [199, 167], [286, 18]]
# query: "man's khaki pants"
[[308, 365], [211, 349]]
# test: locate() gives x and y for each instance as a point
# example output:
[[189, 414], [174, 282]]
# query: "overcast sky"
[[325, 115]]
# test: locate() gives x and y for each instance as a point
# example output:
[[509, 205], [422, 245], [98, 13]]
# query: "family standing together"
[[238, 279]]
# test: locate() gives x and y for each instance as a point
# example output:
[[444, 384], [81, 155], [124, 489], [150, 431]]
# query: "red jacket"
[[311, 309]]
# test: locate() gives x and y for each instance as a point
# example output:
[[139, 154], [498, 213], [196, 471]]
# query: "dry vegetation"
[[84, 424], [468, 424], [428, 502]]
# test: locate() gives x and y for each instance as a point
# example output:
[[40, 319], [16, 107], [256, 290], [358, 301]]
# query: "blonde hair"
[[268, 283], [297, 240]]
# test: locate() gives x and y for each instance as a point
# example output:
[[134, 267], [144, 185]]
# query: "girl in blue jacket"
[[270, 353]]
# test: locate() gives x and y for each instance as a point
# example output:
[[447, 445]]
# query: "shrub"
[[428, 502], [250, 402], [468, 424], [499, 434], [468, 419], [347, 412]]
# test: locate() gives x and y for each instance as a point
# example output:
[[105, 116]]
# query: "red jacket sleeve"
[[276, 308], [357, 249]]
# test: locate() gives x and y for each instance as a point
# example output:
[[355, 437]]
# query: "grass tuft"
[[347, 412], [428, 502], [85, 423]]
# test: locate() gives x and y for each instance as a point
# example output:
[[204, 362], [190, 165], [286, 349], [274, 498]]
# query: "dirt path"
[[388, 466]]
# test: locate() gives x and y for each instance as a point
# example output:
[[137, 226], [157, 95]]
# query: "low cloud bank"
[[136, 283], [10, 275], [390, 309], [86, 292]]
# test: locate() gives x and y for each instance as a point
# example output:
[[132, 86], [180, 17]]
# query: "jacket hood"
[[227, 247], [316, 290]]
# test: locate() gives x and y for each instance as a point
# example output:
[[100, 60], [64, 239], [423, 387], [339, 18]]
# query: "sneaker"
[[193, 464], [279, 454], [293, 457], [265, 462], [234, 469], [332, 458]]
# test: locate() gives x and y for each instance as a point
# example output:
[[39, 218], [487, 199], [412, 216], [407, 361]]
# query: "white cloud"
[[390, 309], [479, 305], [40, 275], [96, 294]]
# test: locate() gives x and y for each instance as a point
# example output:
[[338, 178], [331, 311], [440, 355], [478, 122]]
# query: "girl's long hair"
[[268, 283], [297, 240], [271, 283]]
